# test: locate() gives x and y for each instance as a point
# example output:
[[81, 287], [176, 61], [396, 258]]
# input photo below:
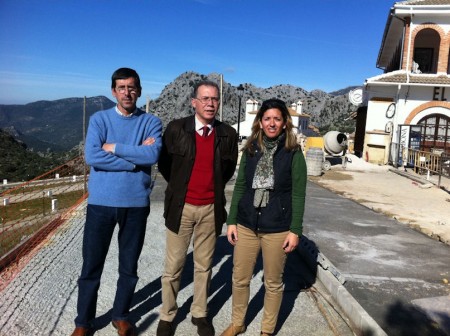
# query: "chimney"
[[299, 107]]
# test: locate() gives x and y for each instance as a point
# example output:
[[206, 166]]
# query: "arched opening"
[[448, 62], [432, 133], [426, 51]]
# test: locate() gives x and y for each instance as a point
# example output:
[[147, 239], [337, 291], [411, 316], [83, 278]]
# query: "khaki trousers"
[[197, 222], [246, 252]]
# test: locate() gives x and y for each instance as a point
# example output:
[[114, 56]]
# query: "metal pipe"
[[239, 117], [409, 46]]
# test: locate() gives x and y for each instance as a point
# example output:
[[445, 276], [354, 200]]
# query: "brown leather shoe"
[[233, 330], [124, 328], [81, 331]]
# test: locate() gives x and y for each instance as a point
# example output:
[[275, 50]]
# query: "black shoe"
[[165, 328], [204, 327]]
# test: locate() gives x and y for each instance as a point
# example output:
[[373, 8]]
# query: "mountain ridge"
[[58, 125]]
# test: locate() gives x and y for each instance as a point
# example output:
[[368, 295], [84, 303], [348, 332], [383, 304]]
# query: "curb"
[[333, 281], [423, 183]]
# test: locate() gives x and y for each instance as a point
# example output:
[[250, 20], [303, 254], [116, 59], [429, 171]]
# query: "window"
[[426, 50], [433, 133], [424, 58]]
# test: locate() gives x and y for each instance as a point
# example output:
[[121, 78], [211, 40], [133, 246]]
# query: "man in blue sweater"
[[122, 144]]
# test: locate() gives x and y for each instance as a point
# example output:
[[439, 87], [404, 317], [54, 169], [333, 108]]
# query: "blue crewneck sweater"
[[122, 179]]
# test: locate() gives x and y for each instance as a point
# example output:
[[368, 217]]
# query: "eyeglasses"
[[205, 100], [123, 89]]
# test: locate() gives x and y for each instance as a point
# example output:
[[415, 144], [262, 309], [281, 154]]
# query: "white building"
[[299, 119], [408, 105]]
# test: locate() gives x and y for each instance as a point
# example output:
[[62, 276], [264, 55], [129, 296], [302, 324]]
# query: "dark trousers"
[[100, 224]]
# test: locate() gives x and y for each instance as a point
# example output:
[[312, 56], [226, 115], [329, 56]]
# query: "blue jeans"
[[100, 224]]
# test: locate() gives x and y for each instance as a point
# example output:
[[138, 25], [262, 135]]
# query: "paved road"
[[395, 273], [41, 300]]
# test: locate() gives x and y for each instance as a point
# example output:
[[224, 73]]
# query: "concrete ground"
[[369, 264], [388, 246], [403, 195]]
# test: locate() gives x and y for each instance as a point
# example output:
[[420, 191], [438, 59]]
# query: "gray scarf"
[[263, 181]]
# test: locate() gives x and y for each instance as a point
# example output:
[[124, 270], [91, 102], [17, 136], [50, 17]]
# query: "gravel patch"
[[41, 299]]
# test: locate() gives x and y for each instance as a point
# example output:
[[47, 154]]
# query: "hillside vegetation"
[[19, 164]]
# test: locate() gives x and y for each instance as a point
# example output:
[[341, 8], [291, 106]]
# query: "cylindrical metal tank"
[[334, 143]]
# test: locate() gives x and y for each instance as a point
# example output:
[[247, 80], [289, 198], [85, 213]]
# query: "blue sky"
[[53, 49]]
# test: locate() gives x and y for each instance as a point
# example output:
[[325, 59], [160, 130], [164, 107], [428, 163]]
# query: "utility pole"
[[221, 98], [84, 144]]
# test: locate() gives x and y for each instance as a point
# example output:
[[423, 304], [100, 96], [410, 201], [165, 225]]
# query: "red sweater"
[[201, 184]]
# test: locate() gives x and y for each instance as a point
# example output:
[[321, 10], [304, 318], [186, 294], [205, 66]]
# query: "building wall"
[[439, 25], [418, 97], [245, 127], [412, 103]]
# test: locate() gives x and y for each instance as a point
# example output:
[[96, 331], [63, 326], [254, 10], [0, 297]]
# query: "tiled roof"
[[293, 112], [424, 2], [400, 77]]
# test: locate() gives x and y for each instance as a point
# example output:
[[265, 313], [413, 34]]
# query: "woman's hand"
[[232, 234], [291, 242]]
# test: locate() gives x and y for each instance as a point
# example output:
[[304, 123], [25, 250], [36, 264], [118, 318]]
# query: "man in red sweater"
[[198, 158]]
